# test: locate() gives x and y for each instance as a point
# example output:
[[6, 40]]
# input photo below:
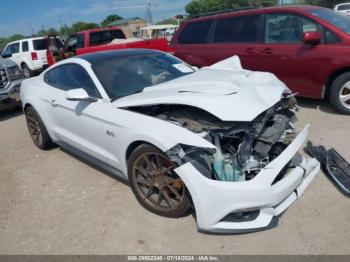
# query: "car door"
[[12, 52], [236, 35], [16, 54], [26, 56], [78, 124], [299, 65]]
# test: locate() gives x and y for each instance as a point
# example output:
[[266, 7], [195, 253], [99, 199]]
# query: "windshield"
[[339, 20], [127, 75]]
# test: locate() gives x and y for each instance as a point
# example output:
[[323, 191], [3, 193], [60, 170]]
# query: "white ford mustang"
[[219, 140]]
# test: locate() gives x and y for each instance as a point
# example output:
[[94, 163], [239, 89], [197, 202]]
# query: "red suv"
[[307, 47]]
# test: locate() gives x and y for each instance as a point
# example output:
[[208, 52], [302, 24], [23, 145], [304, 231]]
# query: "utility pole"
[[148, 10], [148, 13]]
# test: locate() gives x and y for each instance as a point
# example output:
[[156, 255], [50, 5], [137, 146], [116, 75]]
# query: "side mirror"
[[79, 94], [313, 38]]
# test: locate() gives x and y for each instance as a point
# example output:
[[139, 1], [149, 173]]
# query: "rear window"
[[195, 33], [237, 29], [39, 44], [105, 37]]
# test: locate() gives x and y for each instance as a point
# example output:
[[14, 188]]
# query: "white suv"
[[343, 8], [29, 54]]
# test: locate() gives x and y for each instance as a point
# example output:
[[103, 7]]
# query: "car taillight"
[[34, 56]]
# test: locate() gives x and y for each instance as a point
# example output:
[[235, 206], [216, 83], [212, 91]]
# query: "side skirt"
[[90, 160]]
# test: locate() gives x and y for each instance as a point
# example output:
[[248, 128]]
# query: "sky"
[[28, 16]]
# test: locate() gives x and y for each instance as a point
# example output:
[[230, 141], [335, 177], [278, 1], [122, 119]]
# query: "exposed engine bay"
[[242, 148]]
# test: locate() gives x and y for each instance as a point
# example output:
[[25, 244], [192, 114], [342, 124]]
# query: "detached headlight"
[[14, 73]]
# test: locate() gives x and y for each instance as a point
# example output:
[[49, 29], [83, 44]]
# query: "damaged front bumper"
[[248, 206]]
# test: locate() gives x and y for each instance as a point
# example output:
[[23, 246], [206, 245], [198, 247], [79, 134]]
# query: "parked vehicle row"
[[307, 47]]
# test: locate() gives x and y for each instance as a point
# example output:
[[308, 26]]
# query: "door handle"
[[53, 102], [249, 51], [267, 51]]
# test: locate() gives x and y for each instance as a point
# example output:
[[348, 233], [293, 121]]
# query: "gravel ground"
[[53, 203]]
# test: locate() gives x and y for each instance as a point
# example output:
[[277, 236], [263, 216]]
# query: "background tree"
[[80, 26], [65, 30], [109, 19], [5, 40], [168, 21], [44, 32]]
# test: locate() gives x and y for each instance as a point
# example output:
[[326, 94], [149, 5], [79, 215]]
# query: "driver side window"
[[7, 51], [71, 76], [288, 28]]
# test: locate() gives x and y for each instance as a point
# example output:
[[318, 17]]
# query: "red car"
[[307, 47], [99, 39]]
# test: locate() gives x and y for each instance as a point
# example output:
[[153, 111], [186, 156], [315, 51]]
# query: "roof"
[[26, 39], [157, 27], [292, 8], [97, 29], [125, 21], [96, 57]]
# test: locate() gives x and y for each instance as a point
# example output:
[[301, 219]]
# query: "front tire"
[[339, 95], [37, 129], [155, 184]]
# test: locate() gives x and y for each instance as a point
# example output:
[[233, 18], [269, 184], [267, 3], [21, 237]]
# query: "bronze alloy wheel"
[[37, 129], [34, 128], [155, 184]]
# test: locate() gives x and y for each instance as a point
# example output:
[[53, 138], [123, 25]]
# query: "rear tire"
[[37, 129], [339, 94], [154, 183], [27, 73]]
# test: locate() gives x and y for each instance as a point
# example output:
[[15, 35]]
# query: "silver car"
[[10, 82]]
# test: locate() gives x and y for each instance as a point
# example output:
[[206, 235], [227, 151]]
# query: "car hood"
[[6, 63], [230, 95]]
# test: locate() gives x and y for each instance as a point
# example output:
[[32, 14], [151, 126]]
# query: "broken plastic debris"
[[333, 164]]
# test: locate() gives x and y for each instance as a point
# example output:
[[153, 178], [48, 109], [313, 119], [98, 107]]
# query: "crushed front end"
[[255, 173]]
